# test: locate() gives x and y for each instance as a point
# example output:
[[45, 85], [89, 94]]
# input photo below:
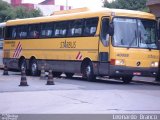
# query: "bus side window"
[[34, 31], [61, 29], [75, 28], [10, 33], [46, 30], [7, 33], [14, 32], [22, 32], [105, 31], [90, 26]]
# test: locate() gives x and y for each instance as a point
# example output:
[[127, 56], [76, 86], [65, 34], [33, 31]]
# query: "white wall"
[[47, 9], [9, 1]]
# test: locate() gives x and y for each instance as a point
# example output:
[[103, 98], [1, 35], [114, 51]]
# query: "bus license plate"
[[136, 73]]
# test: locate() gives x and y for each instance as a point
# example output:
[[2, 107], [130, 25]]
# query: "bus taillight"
[[112, 61]]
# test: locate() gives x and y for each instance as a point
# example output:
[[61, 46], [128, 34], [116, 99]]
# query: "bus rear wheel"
[[87, 71], [157, 78], [127, 79], [34, 68], [23, 64]]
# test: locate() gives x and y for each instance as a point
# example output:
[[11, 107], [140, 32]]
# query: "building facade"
[[47, 6], [154, 7]]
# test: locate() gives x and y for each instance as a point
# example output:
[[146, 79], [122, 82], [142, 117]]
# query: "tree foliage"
[[7, 12], [22, 12], [127, 4]]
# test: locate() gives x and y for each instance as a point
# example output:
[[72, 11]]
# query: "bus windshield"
[[130, 32]]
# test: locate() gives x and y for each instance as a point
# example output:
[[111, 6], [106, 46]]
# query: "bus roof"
[[85, 13]]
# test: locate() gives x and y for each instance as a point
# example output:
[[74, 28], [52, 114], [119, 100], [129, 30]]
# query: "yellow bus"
[[106, 42], [2, 28]]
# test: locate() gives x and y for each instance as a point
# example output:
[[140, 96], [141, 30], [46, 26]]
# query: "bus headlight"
[[119, 62], [154, 64]]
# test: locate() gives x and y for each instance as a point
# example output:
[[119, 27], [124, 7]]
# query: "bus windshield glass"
[[130, 32]]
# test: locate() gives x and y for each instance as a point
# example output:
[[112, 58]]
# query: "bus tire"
[[127, 79], [23, 64], [87, 71], [34, 68], [69, 75], [157, 78]]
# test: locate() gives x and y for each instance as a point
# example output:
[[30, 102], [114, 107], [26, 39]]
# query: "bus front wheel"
[[23, 64], [87, 71]]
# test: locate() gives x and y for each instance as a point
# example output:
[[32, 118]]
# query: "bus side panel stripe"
[[19, 51], [78, 55], [16, 50]]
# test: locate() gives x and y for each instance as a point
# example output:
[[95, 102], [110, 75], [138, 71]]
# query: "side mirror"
[[111, 29]]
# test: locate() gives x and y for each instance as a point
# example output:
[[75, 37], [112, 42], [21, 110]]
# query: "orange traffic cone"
[[5, 72], [42, 76], [50, 80], [23, 78]]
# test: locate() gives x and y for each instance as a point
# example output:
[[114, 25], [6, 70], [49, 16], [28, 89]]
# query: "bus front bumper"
[[132, 71]]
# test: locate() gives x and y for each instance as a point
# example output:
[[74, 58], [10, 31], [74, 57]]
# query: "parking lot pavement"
[[77, 96], [146, 80]]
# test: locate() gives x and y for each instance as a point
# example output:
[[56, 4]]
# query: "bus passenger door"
[[104, 47]]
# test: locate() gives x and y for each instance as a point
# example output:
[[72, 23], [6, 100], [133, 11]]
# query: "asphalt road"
[[78, 96]]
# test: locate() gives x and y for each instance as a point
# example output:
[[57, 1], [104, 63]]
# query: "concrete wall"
[[47, 9], [154, 6]]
